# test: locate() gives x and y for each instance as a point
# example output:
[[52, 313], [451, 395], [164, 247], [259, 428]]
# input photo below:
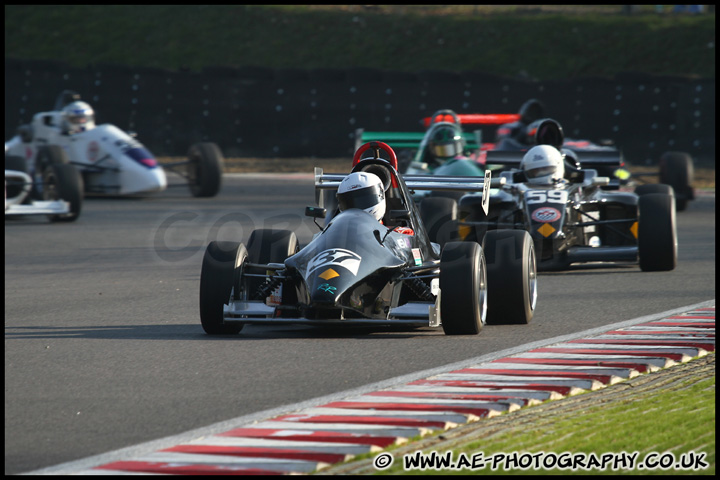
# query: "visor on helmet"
[[77, 119], [362, 198], [447, 150], [540, 172]]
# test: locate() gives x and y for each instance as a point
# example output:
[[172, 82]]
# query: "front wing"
[[411, 314], [50, 207]]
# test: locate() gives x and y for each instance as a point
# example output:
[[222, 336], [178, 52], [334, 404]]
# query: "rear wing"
[[477, 118], [411, 140], [327, 181], [473, 140], [588, 159]]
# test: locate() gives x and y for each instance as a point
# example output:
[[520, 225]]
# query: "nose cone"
[[324, 292], [136, 178]]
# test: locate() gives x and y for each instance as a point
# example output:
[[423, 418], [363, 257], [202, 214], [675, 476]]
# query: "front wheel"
[[63, 182], [463, 288], [657, 232], [512, 276], [205, 167], [216, 283]]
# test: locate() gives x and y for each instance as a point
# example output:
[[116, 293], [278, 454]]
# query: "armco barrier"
[[265, 112]]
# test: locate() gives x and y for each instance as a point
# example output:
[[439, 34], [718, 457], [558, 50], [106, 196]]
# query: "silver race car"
[[559, 198]]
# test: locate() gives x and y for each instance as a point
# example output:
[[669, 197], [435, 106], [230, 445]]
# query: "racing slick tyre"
[[271, 246], [463, 288], [47, 155], [205, 167], [439, 216], [512, 276], [654, 188], [676, 170], [657, 232], [216, 283], [18, 164], [63, 182]]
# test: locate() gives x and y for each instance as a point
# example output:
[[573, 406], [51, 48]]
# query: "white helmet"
[[78, 117], [363, 190], [543, 165]]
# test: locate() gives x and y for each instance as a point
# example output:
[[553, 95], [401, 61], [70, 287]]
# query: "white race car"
[[61, 186], [111, 161]]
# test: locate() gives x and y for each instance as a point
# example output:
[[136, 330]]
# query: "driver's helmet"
[[531, 111], [78, 117], [363, 190], [446, 143], [543, 165]]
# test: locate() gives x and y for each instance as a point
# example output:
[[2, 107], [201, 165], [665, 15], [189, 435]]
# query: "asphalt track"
[[103, 347]]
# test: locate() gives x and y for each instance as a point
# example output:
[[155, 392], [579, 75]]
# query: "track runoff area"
[[320, 433]]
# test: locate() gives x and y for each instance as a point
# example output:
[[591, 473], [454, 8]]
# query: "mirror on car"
[[315, 212]]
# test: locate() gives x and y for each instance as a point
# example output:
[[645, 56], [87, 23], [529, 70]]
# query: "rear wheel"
[[676, 170], [205, 167], [439, 216], [463, 288], [512, 276], [63, 182], [657, 232], [216, 283]]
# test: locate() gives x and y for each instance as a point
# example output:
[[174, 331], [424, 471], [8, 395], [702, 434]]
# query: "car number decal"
[[542, 196], [335, 256], [545, 214]]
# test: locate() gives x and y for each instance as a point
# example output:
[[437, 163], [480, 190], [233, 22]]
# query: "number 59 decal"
[[549, 196]]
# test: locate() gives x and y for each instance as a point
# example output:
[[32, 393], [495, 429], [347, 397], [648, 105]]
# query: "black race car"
[[359, 271], [675, 168], [572, 220]]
